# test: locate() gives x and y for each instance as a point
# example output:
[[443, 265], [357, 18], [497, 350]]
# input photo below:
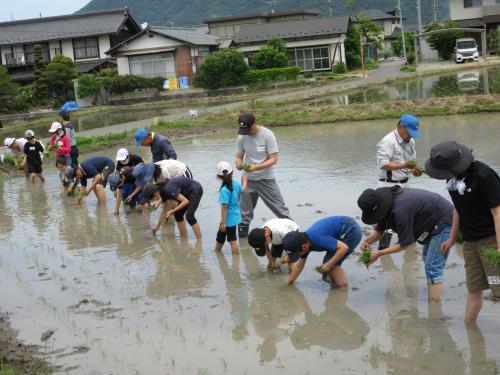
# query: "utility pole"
[[362, 53], [419, 19], [403, 38], [330, 7], [434, 9]]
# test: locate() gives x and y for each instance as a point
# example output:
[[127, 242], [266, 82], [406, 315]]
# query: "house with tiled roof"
[[84, 38]]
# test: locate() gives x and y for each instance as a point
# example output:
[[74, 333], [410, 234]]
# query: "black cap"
[[245, 121], [448, 159], [292, 242], [147, 192], [257, 239], [375, 205]]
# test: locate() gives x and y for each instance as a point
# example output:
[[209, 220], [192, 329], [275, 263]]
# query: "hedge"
[[275, 74], [122, 84]]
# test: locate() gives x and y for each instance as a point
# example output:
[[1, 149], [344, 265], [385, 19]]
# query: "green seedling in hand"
[[246, 167], [365, 256], [150, 209], [492, 256], [412, 163], [326, 276]]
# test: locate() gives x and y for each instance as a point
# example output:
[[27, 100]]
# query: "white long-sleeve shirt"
[[394, 149]]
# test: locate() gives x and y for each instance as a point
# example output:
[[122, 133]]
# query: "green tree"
[[222, 69], [444, 42], [40, 72], [8, 91], [60, 74], [370, 32], [493, 39], [272, 55], [397, 44]]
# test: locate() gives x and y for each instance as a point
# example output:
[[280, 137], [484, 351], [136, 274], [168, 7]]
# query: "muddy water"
[[123, 302]]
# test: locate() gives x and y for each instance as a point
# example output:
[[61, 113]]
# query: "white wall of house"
[[123, 65], [104, 45], [458, 12], [147, 42], [67, 48]]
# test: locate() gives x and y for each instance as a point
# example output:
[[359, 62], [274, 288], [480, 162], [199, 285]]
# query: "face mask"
[[456, 185], [125, 162]]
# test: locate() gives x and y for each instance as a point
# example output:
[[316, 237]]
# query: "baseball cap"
[[8, 141], [139, 136], [55, 126], [245, 121], [114, 180], [257, 239], [122, 154], [29, 134], [222, 167], [143, 173], [411, 123], [64, 114], [148, 192], [292, 243]]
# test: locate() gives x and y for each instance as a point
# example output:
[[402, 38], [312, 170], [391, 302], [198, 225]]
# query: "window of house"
[[153, 65], [86, 48], [314, 58], [472, 3]]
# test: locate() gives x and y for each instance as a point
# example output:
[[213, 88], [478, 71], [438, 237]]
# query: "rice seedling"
[[224, 362], [364, 257], [246, 167], [326, 275], [279, 363], [492, 256]]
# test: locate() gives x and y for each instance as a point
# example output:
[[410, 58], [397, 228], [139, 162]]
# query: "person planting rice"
[[257, 154], [34, 152], [229, 194], [268, 240], [61, 142], [122, 184], [170, 168], [416, 216], [66, 176], [161, 147], [474, 189], [69, 129], [98, 168], [186, 192], [125, 159], [338, 236], [16, 148]]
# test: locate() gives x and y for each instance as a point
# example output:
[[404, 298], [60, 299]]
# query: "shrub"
[[268, 75], [340, 68], [371, 64], [108, 72], [410, 57], [222, 69], [89, 85], [8, 91], [272, 55], [40, 72], [408, 68], [397, 44], [129, 83], [308, 74], [444, 42]]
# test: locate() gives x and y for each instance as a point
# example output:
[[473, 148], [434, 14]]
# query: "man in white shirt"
[[271, 233], [396, 151]]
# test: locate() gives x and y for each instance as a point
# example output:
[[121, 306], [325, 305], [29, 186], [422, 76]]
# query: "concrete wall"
[[123, 66], [458, 12]]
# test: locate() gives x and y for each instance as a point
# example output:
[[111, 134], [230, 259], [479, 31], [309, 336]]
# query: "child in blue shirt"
[[229, 195]]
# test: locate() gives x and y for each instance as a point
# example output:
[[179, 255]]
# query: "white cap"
[[8, 141], [29, 133], [55, 126], [122, 154], [222, 167]]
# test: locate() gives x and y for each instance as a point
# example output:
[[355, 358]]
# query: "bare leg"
[[473, 306], [235, 249], [339, 277], [434, 292], [182, 228], [197, 230], [100, 194], [40, 176], [218, 246], [33, 177]]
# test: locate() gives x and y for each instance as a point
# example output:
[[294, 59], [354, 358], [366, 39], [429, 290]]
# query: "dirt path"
[[14, 354]]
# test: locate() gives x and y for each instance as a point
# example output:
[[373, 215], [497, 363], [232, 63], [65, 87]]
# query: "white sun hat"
[[222, 167], [122, 154], [29, 134], [55, 126], [8, 141]]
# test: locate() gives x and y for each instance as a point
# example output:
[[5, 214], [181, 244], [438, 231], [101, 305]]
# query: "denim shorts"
[[350, 234], [433, 259]]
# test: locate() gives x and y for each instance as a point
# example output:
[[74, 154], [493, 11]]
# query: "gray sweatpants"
[[270, 193]]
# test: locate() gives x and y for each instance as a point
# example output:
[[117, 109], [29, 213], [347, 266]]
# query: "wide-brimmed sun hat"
[[448, 159], [375, 205]]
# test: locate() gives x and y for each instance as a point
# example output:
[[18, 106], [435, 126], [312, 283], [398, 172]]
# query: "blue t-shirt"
[[94, 166], [233, 207], [180, 185], [324, 234]]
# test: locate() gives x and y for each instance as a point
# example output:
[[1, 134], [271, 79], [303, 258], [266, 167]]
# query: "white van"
[[466, 50]]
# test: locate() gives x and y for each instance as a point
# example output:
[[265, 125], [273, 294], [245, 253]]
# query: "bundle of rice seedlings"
[[492, 256], [246, 167], [325, 276], [365, 256]]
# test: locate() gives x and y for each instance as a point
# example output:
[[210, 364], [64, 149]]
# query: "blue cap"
[[411, 124], [139, 136], [114, 181], [143, 173]]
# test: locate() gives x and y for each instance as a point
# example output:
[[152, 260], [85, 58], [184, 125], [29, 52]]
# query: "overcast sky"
[[22, 9]]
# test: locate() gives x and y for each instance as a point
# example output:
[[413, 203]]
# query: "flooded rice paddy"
[[122, 302]]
